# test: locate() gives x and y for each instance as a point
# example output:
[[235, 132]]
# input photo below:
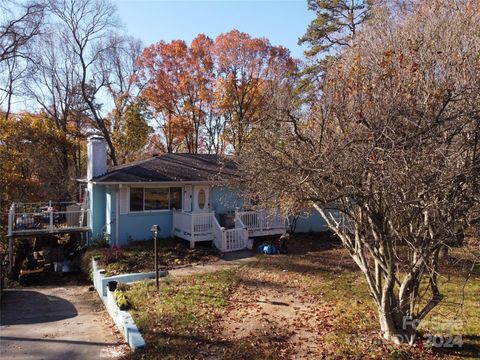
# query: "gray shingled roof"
[[171, 168]]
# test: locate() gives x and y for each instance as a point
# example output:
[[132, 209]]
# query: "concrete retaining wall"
[[123, 320], [125, 323]]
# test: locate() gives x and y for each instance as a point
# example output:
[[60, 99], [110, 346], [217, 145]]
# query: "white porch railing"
[[43, 218], [202, 222], [182, 221], [193, 226], [218, 240], [262, 222]]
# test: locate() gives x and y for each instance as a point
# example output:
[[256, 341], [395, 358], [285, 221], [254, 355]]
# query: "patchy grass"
[[139, 256], [178, 320], [312, 303], [351, 315]]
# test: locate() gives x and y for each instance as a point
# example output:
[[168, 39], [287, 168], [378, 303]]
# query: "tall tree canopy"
[[208, 95], [245, 66], [20, 24], [178, 79]]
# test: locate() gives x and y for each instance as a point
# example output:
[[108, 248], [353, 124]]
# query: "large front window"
[[151, 199]]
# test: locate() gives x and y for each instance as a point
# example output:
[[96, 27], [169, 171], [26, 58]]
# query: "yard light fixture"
[[155, 230]]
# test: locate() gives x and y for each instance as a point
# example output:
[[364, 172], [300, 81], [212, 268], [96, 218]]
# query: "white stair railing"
[[230, 239], [219, 238]]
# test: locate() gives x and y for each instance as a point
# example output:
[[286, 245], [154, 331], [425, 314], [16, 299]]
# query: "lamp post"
[[155, 230]]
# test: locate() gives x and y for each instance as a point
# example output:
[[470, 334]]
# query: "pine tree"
[[335, 26]]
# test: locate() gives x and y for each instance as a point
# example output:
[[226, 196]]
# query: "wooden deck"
[[46, 218], [38, 232]]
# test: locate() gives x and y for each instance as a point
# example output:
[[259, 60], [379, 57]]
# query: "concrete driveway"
[[66, 322]]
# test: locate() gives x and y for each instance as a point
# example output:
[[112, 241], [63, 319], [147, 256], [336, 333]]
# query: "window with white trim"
[[154, 199]]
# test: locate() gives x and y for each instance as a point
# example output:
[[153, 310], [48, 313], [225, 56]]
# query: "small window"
[[176, 198], [201, 199], [136, 199]]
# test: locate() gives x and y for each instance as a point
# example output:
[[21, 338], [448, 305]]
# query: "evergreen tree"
[[334, 28]]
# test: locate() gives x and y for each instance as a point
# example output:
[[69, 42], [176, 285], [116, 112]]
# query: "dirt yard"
[[310, 304]]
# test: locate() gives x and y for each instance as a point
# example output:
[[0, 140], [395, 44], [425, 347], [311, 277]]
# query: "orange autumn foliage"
[[208, 95]]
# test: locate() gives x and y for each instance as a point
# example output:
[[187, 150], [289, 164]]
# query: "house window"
[[176, 198], [152, 199], [156, 199], [136, 199]]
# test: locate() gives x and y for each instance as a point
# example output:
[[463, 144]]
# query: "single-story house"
[[185, 194]]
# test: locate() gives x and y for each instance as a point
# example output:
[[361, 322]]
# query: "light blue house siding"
[[97, 198], [312, 222], [225, 200], [131, 226], [136, 226]]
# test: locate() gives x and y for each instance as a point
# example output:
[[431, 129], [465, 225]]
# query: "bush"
[[121, 299], [86, 258], [123, 287], [112, 255], [102, 241]]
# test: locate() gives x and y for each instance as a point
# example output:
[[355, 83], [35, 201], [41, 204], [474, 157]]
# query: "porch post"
[[51, 220], [192, 228], [11, 219], [224, 241], [10, 254]]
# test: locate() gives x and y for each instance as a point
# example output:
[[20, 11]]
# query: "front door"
[[187, 198], [202, 198]]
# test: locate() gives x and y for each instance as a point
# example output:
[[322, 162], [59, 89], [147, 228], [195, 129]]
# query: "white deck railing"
[[42, 217], [182, 221], [261, 221]]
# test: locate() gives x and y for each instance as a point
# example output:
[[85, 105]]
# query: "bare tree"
[[214, 128], [20, 23], [128, 120], [55, 85], [85, 27], [118, 65], [389, 155]]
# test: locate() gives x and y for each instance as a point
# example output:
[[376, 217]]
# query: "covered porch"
[[204, 226]]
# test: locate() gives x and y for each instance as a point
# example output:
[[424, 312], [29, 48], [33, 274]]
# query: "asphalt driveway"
[[66, 322]]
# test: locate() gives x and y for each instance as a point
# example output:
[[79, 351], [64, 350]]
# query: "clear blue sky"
[[281, 21]]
